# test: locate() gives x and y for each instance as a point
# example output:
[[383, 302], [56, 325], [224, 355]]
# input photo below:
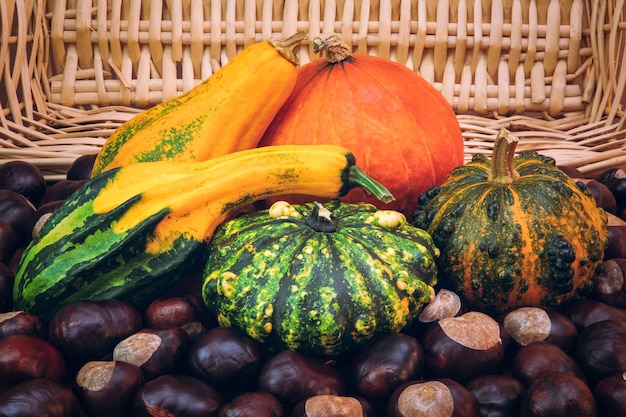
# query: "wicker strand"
[[551, 70]]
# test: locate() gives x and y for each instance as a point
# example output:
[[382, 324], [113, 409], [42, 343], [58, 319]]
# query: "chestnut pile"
[[108, 358]]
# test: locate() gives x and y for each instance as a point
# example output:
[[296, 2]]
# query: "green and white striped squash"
[[319, 279]]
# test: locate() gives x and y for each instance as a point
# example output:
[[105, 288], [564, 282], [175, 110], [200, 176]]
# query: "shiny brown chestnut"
[[188, 312], [601, 193], [615, 179], [292, 377], [532, 324], [7, 278], [8, 242], [616, 228], [385, 363], [585, 312], [325, 405], [81, 168], [24, 178], [61, 190], [39, 397], [601, 349], [156, 352], [21, 322], [439, 397], [253, 404], [16, 210], [228, 358], [536, 358], [24, 357], [498, 395], [89, 330], [464, 347], [176, 395], [610, 395], [107, 388], [558, 394]]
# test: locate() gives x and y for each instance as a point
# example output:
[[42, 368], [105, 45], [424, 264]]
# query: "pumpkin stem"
[[333, 46], [321, 219], [502, 170], [287, 47]]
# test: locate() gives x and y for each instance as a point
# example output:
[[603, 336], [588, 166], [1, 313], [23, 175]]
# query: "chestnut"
[[8, 242], [497, 395], [81, 168], [464, 347], [615, 180], [16, 210], [21, 322], [292, 377], [385, 363], [445, 304], [326, 405], [536, 358], [42, 214], [7, 277], [24, 178], [107, 388], [61, 190], [176, 395], [24, 357], [616, 228], [585, 312], [156, 352], [531, 324], [558, 394], [88, 330], [601, 349], [609, 286], [432, 397], [228, 358], [188, 312], [610, 395], [253, 404], [39, 397], [605, 199]]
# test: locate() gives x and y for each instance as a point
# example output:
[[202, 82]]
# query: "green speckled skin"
[[534, 242], [292, 287]]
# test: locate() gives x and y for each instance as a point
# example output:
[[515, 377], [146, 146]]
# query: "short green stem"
[[358, 178], [502, 169]]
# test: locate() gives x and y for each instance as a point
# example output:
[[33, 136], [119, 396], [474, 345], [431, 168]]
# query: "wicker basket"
[[71, 71]]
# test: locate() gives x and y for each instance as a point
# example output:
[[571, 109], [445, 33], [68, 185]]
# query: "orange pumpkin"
[[401, 130]]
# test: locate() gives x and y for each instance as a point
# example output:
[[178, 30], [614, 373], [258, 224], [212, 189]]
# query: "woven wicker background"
[[72, 71]]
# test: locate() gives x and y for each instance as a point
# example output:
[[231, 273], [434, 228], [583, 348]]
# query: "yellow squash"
[[228, 112]]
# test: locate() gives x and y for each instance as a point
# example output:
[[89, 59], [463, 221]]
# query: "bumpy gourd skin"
[[290, 285], [536, 241]]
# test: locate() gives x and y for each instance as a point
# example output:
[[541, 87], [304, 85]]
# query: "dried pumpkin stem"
[[288, 47], [334, 48], [502, 169]]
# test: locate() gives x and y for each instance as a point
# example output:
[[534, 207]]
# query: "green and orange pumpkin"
[[514, 230]]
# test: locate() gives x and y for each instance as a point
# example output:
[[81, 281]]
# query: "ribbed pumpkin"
[[514, 230], [400, 128], [319, 279]]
